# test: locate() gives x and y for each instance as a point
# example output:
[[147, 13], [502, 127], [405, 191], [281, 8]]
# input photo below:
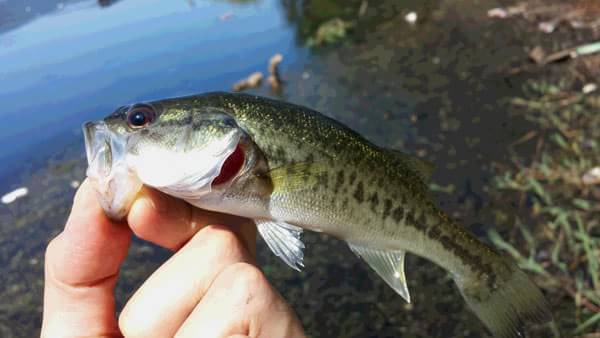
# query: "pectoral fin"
[[284, 240], [297, 176], [389, 265]]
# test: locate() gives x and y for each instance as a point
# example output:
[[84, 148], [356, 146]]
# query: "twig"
[[566, 285]]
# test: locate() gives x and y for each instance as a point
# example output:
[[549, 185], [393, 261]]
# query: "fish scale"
[[303, 170]]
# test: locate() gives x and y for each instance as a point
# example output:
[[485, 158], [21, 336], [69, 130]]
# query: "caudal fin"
[[506, 302]]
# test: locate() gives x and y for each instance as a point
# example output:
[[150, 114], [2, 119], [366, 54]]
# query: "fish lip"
[[97, 142], [88, 134]]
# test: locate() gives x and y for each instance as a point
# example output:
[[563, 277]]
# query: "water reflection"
[[148, 49]]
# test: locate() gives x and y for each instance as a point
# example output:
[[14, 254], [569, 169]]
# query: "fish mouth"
[[116, 184], [97, 149]]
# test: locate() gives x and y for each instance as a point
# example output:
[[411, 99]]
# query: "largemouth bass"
[[290, 168]]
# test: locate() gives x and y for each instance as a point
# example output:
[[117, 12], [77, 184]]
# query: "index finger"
[[170, 222]]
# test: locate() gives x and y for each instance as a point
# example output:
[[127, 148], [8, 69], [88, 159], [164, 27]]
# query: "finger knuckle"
[[247, 282], [143, 231], [220, 239]]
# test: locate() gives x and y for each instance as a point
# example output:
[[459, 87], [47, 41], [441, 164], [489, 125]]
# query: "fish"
[[290, 169]]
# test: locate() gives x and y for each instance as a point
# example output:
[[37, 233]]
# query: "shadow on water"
[[433, 88]]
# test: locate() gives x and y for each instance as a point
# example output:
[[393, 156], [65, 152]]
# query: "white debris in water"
[[75, 184], [547, 27], [499, 13], [411, 17], [591, 177], [14, 195], [588, 88], [226, 16]]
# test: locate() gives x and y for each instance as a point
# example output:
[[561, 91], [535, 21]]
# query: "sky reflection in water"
[[80, 61]]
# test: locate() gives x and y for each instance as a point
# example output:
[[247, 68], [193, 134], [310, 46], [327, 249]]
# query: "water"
[[81, 61], [435, 89]]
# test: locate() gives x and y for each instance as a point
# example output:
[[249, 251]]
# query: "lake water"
[[79, 60], [433, 88]]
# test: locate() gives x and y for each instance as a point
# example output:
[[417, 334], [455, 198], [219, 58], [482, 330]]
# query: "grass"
[[559, 240]]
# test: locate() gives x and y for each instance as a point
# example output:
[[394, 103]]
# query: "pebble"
[[591, 177], [411, 17], [588, 88], [499, 13]]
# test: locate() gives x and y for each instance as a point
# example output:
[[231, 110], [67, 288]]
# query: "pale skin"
[[210, 287]]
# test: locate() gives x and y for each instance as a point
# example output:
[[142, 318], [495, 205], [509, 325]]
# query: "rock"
[[537, 55], [411, 18], [498, 13], [591, 177], [588, 88]]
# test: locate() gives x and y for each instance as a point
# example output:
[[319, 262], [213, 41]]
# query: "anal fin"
[[389, 265], [284, 240]]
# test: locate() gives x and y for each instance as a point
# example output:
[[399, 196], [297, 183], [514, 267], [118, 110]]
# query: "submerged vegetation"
[[559, 241]]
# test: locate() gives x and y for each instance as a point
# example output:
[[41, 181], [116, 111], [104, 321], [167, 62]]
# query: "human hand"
[[210, 287]]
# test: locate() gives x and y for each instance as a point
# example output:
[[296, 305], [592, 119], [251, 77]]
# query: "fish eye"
[[140, 116]]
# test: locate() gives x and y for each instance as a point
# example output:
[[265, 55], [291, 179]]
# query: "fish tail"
[[506, 300]]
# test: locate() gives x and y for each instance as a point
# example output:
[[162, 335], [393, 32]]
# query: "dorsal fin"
[[421, 167]]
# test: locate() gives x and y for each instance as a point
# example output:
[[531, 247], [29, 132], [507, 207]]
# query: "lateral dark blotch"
[[352, 178], [410, 218], [323, 180], [398, 213], [339, 181], [434, 232], [359, 193], [473, 261], [387, 208], [374, 201], [422, 220], [345, 203]]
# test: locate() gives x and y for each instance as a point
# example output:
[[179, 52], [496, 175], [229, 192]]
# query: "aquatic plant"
[[560, 239]]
